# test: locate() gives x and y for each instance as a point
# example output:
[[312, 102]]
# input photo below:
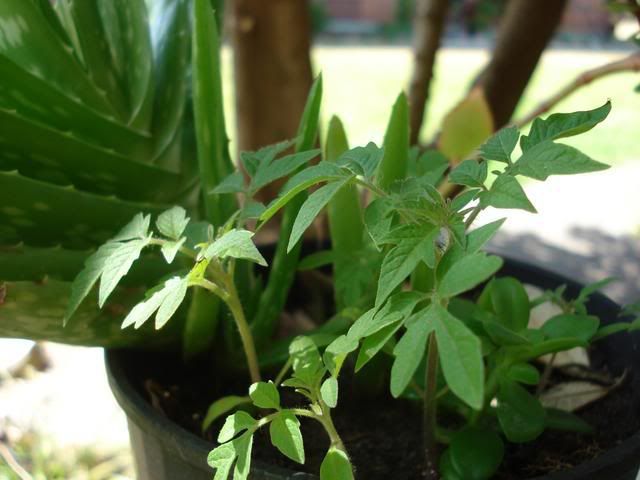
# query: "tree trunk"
[[272, 66], [428, 27], [526, 29]]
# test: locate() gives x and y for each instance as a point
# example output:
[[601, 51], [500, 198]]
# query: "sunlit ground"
[[361, 84]]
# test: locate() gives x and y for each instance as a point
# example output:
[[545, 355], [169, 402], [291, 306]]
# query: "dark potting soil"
[[383, 435]]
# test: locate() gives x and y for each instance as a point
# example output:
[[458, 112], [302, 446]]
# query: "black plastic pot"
[[164, 451]]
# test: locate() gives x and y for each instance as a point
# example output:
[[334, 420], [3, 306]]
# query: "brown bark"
[[272, 67], [428, 27], [526, 29]]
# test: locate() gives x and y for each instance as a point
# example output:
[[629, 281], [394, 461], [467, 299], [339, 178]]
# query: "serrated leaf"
[[470, 173], [501, 145], [222, 406], [235, 424], [376, 342], [172, 222], [466, 126], [265, 395], [235, 244], [378, 219], [243, 446], [285, 434], [221, 458], [467, 273], [166, 301], [336, 353], [282, 167], [312, 207], [398, 306], [429, 167], [520, 414], [170, 249], [547, 158], [477, 238], [506, 192], [117, 265], [409, 353], [87, 278], [363, 161], [138, 227], [460, 354], [323, 172], [329, 392], [336, 466], [233, 183], [401, 261], [560, 125]]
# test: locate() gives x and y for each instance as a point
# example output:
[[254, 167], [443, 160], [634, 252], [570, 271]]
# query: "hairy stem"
[[430, 409]]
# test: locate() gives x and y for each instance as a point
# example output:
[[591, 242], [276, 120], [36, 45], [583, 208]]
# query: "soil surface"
[[383, 435]]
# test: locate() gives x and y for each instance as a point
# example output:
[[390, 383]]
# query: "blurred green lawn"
[[361, 84]]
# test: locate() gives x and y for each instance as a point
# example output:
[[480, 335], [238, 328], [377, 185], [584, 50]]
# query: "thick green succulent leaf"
[[35, 309], [169, 20], [394, 164], [61, 155], [213, 156], [39, 101], [39, 213], [28, 38]]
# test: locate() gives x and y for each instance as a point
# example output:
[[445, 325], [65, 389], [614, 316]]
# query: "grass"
[[361, 84]]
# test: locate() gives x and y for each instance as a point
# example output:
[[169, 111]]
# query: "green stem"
[[431, 405]]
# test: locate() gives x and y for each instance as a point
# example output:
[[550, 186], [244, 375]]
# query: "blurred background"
[[523, 53]]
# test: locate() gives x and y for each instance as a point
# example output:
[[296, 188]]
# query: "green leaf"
[[506, 192], [363, 161], [222, 406], [336, 353], [117, 265], [503, 335], [401, 261], [394, 164], [243, 446], [460, 354], [329, 392], [476, 453], [429, 167], [501, 145], [233, 183], [170, 249], [478, 237], [336, 466], [172, 223], [548, 158], [213, 156], [308, 128], [318, 259], [466, 126], [467, 273], [524, 373], [138, 227], [510, 302], [378, 219], [399, 306], [566, 421], [446, 468], [235, 424], [222, 458], [268, 173], [285, 434], [265, 395], [376, 342], [166, 301], [409, 352], [87, 278], [560, 125], [592, 288], [520, 414], [323, 172], [311, 207], [582, 327], [235, 244], [470, 173], [305, 355]]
